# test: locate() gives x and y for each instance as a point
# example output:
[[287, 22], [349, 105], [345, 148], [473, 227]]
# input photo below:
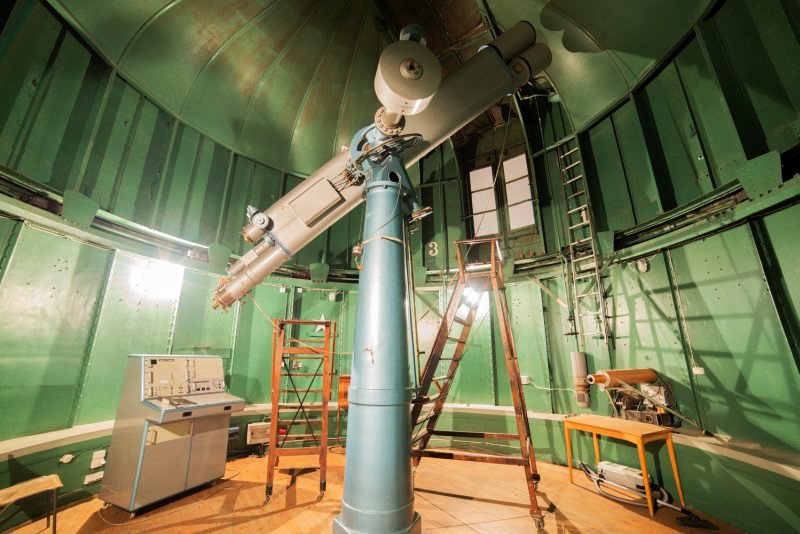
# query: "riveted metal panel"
[[23, 62], [646, 327], [638, 170], [198, 328], [714, 120], [109, 152], [235, 211], [38, 154], [606, 177], [763, 49], [175, 185], [473, 382], [559, 348], [136, 317], [145, 164], [677, 136], [782, 230], [527, 324], [750, 387], [52, 285], [251, 369]]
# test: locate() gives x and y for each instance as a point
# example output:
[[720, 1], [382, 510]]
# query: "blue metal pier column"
[[378, 489]]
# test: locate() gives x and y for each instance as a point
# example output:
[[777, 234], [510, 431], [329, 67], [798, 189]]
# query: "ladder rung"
[[303, 374], [585, 294], [579, 208], [441, 378], [427, 400], [571, 166], [461, 321], [298, 437], [302, 390], [430, 415], [582, 275], [589, 313], [299, 422], [584, 240], [591, 334], [580, 225], [573, 179], [571, 151], [456, 339], [576, 194], [471, 456]]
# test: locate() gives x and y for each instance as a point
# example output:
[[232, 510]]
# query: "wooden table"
[[35, 486], [631, 431]]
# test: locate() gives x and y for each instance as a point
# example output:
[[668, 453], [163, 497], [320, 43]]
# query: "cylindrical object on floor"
[[579, 378], [614, 377]]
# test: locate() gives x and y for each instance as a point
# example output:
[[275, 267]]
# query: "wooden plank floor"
[[453, 498]]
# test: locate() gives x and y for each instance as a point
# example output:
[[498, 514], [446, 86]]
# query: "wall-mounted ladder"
[[301, 389], [585, 275], [474, 277]]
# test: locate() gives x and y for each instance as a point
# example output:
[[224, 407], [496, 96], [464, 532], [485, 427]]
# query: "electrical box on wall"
[[258, 433]]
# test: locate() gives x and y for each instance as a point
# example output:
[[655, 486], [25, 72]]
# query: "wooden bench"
[[35, 486], [631, 431]]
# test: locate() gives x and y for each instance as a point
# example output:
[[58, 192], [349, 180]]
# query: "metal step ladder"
[[474, 277], [585, 275], [301, 389]]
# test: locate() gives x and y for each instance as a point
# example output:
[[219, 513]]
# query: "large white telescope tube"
[[326, 196]]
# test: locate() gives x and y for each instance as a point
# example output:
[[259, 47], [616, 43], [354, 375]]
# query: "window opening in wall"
[[484, 206], [518, 192]]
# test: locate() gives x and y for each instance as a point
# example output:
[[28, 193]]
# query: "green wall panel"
[[751, 387], [58, 93], [475, 380], [638, 170], [527, 324], [117, 126], [677, 135], [24, 61], [136, 317], [782, 229], [714, 120], [608, 181], [53, 285], [645, 327], [762, 44], [199, 329], [251, 369]]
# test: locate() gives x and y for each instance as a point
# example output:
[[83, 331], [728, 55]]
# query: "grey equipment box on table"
[[171, 430]]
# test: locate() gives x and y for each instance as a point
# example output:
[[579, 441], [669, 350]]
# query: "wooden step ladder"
[[585, 275], [449, 345], [298, 393]]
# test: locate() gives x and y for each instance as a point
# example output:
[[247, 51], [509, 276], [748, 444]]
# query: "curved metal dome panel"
[[285, 82], [601, 50]]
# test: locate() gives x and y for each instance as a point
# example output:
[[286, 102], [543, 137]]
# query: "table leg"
[[643, 462], [49, 508], [672, 459], [568, 440], [596, 449], [55, 509]]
